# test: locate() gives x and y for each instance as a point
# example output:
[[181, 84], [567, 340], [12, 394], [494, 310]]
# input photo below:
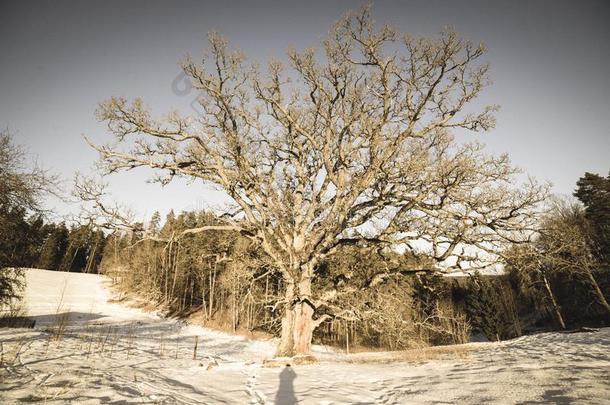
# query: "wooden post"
[[195, 348]]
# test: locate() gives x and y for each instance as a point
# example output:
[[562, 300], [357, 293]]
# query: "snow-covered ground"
[[110, 353]]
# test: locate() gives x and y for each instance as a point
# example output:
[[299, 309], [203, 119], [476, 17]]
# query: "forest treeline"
[[222, 278], [561, 281], [373, 298], [32, 242]]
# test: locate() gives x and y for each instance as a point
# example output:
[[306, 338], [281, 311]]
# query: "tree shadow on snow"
[[32, 321]]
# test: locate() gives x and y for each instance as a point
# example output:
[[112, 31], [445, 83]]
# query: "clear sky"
[[549, 63]]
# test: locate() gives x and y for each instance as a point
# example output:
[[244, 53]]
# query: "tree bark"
[[298, 323], [553, 301]]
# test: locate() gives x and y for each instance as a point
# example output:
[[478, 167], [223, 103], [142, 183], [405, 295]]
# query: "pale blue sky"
[[59, 59]]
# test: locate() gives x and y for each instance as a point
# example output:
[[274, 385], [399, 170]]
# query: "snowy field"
[[85, 350]]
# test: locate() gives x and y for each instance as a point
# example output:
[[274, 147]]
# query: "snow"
[[111, 353]]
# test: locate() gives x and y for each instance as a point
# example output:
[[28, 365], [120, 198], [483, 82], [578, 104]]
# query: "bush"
[[12, 281], [491, 308]]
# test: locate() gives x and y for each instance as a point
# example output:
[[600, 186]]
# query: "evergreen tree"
[[13, 237], [54, 247], [593, 191], [155, 223], [489, 308], [21, 189], [170, 223], [35, 238]]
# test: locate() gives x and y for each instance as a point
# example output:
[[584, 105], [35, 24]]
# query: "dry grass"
[[10, 354], [451, 352], [62, 317], [57, 330], [222, 326], [289, 361], [132, 301], [417, 355]]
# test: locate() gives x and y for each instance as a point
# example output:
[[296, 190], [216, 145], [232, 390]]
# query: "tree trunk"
[[91, 258], [212, 291], [553, 301], [204, 307], [598, 292], [298, 323]]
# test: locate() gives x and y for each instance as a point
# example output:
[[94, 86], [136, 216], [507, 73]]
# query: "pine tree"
[[593, 191], [488, 309], [53, 248], [155, 223]]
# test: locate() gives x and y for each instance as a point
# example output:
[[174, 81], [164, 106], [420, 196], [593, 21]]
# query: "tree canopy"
[[593, 191], [350, 144]]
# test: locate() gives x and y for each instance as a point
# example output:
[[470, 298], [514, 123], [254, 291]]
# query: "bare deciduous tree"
[[348, 145], [563, 245], [22, 186]]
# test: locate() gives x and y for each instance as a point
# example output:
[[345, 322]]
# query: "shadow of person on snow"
[[285, 393]]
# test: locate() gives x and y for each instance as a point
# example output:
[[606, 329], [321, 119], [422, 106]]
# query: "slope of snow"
[[110, 353]]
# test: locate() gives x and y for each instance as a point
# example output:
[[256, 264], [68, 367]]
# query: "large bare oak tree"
[[348, 144]]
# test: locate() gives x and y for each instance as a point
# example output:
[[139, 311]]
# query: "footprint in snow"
[[256, 397]]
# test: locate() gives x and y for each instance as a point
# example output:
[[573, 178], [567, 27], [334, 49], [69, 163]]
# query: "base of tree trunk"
[[289, 361]]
